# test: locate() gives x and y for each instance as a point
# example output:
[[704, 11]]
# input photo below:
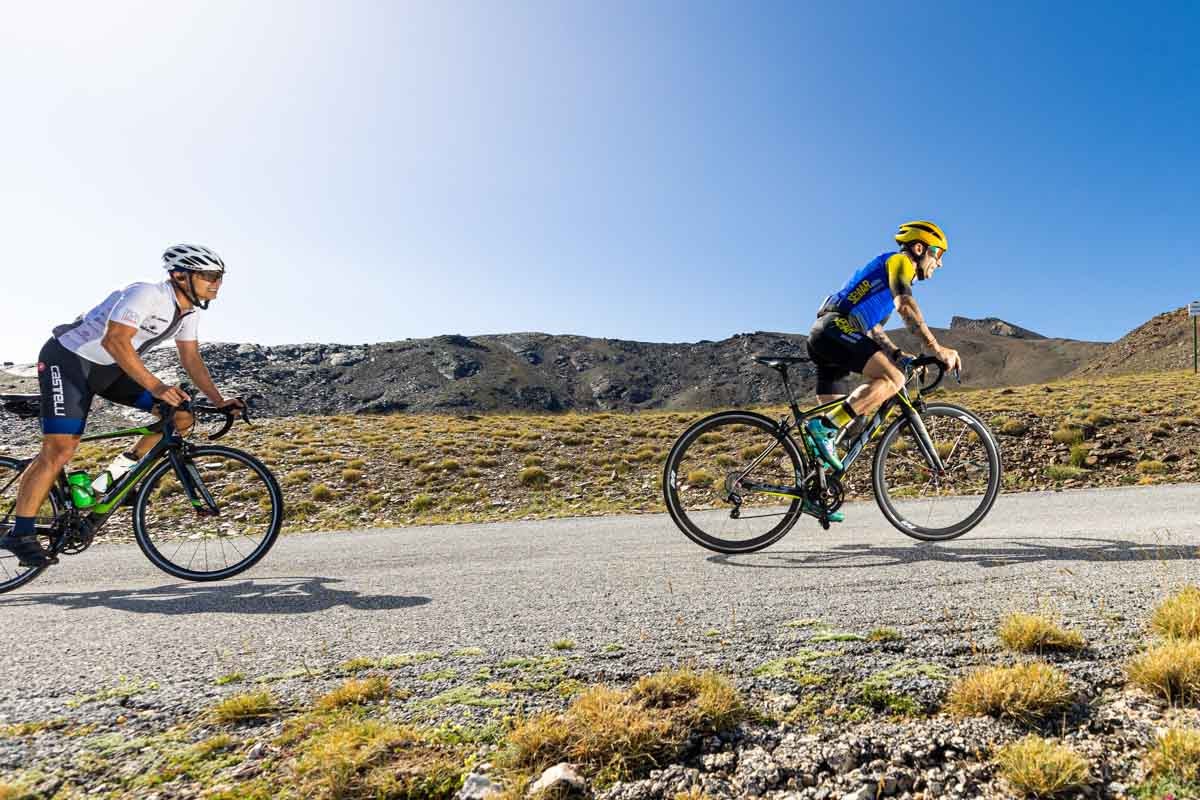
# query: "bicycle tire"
[[887, 504], [689, 523], [15, 576], [146, 496]]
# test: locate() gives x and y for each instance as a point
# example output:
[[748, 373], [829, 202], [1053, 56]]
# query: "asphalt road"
[[512, 588]]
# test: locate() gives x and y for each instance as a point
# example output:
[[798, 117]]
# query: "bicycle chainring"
[[78, 537], [830, 498]]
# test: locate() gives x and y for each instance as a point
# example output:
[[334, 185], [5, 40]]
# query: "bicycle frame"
[[901, 400], [172, 444]]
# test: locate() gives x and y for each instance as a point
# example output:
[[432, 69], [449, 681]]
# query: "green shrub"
[[535, 477], [422, 502]]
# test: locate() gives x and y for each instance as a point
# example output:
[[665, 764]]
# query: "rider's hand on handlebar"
[[949, 357], [235, 403], [171, 395]]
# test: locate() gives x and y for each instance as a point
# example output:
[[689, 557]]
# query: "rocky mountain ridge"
[[994, 326], [542, 372]]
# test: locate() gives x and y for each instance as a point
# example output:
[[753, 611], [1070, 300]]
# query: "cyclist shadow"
[[300, 595], [1014, 552]]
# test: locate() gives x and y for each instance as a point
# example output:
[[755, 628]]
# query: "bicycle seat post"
[[787, 388]]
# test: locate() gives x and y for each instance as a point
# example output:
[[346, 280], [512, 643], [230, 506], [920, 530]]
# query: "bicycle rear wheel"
[[12, 574], [718, 480], [930, 506], [235, 524]]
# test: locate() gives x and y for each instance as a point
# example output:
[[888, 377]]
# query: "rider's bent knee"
[[58, 449]]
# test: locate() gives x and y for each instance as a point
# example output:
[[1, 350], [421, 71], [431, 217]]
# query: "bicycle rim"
[[201, 547], [724, 456], [918, 501]]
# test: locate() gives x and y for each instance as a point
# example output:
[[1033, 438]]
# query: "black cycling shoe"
[[28, 551]]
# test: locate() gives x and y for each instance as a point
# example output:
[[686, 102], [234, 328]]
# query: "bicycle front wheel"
[[923, 503], [727, 479], [12, 574], [233, 526]]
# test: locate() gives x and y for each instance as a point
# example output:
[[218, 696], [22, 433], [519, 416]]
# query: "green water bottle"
[[81, 489]]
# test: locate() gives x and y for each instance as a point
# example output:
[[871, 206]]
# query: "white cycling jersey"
[[149, 307]]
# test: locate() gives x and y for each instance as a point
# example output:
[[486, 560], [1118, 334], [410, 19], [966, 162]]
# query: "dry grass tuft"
[[614, 734], [1013, 427], [1176, 756], [1178, 617], [1025, 693], [355, 759], [1033, 633], [1058, 472], [533, 476], [242, 707], [707, 701], [695, 793], [1068, 434], [355, 692], [1170, 670], [1039, 767]]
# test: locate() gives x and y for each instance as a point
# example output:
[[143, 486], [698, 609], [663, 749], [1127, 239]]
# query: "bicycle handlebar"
[[913, 364], [197, 407]]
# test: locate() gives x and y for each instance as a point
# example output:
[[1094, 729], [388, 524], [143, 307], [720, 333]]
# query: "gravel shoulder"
[[103, 643]]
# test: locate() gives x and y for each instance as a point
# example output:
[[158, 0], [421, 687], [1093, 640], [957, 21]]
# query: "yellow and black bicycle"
[[737, 481]]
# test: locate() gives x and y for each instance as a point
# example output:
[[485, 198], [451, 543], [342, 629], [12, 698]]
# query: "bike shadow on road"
[[980, 552], [299, 595]]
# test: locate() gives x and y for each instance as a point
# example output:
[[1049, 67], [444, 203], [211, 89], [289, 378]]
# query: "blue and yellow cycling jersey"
[[869, 297]]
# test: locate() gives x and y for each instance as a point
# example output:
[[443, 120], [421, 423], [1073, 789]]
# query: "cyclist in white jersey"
[[100, 354]]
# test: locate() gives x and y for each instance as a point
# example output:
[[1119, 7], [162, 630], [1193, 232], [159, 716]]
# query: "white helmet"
[[191, 257]]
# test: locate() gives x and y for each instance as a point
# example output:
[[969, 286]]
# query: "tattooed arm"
[[883, 340]]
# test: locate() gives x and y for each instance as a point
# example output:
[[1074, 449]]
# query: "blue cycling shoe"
[[823, 436], [808, 508]]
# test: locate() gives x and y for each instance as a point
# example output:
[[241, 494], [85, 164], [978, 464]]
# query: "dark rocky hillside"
[[541, 372]]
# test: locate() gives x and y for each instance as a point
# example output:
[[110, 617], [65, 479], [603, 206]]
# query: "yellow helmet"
[[922, 230]]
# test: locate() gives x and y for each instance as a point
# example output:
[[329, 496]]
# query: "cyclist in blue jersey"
[[848, 335]]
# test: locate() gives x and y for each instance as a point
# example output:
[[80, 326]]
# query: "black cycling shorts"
[[838, 349], [69, 383]]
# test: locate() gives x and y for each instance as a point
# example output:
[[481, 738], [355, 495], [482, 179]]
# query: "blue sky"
[[663, 171]]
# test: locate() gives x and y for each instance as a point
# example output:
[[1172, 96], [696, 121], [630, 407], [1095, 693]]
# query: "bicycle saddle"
[[26, 406], [775, 362]]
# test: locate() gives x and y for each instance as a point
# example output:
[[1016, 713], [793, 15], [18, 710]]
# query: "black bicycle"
[[200, 512], [737, 481]]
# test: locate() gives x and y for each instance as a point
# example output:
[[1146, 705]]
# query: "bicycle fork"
[[924, 440], [193, 485]]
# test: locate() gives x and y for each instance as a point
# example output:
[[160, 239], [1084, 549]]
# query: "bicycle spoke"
[[243, 518], [711, 481], [12, 574], [929, 503]]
